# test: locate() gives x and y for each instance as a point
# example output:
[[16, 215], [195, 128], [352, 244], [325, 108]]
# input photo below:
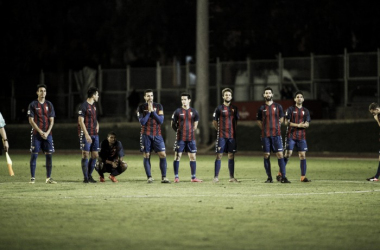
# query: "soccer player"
[[151, 116], [374, 109], [297, 118], [41, 117], [269, 118], [225, 121], [88, 128], [184, 123], [3, 134], [111, 158]]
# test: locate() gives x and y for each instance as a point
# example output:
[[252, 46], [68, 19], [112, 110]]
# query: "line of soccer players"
[[184, 122]]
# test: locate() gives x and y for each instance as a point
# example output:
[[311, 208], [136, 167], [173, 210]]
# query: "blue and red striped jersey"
[[297, 115], [88, 112], [152, 126], [41, 112], [270, 117], [227, 117], [184, 120]]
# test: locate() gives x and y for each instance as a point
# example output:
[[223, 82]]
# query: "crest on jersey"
[[191, 113], [274, 108], [80, 112], [303, 112], [47, 108]]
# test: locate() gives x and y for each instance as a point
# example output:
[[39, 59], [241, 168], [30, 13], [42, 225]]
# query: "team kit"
[[107, 156]]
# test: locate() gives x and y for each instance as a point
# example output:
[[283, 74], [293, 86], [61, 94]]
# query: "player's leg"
[[178, 149], [231, 150], [146, 148], [277, 147], [85, 147], [265, 144], [47, 147], [289, 145], [303, 166], [34, 149], [100, 168], [159, 147], [219, 149], [94, 149], [376, 177], [191, 149]]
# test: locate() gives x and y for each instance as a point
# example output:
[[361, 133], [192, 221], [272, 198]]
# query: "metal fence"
[[341, 80]]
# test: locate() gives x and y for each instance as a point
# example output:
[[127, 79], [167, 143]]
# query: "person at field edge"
[[88, 129], [225, 119], [184, 123], [374, 109], [151, 116], [269, 118], [110, 158], [297, 118], [3, 133], [41, 117]]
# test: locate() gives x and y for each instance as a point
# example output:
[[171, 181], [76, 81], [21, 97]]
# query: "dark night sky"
[[69, 34]]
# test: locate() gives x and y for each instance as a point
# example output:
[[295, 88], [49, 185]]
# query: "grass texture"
[[337, 210]]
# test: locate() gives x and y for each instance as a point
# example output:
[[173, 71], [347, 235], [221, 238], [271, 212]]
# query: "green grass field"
[[339, 209]]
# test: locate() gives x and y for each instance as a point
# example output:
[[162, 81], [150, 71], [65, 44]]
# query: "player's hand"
[[114, 164], [88, 139], [150, 106], [44, 135]]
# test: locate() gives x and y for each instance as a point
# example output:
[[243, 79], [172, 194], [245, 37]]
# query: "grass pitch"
[[337, 210]]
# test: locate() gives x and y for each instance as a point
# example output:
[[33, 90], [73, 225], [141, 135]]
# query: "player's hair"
[[298, 93], [226, 90], [91, 91], [268, 88], [148, 91], [373, 106], [41, 85], [186, 94], [111, 133]]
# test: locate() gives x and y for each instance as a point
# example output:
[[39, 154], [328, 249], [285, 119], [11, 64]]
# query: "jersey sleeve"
[[216, 114], [52, 111], [237, 117], [2, 121], [82, 110], [196, 115], [307, 116], [120, 151], [259, 115], [281, 111], [31, 110]]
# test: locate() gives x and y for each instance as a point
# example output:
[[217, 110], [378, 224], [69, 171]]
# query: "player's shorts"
[[148, 143], [37, 143], [225, 145], [300, 145], [89, 147], [272, 144], [185, 146]]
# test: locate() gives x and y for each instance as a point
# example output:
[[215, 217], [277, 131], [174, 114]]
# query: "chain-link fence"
[[342, 80]]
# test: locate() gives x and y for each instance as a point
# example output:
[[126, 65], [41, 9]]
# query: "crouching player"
[[111, 158]]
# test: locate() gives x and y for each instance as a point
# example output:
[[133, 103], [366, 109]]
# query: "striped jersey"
[[41, 113], [151, 127], [270, 117], [184, 120], [88, 112], [297, 115], [227, 117]]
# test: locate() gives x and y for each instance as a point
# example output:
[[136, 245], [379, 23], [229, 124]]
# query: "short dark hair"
[[298, 93], [111, 133], [373, 106], [41, 85], [91, 91], [268, 88], [186, 94], [148, 91]]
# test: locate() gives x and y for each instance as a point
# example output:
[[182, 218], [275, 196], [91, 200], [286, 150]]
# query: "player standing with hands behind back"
[[225, 122], [269, 118], [88, 128], [151, 116], [41, 117], [375, 111]]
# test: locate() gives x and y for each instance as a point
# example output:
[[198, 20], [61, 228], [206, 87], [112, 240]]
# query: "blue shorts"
[[38, 143], [273, 143], [148, 143], [301, 145], [89, 147], [185, 146], [225, 145]]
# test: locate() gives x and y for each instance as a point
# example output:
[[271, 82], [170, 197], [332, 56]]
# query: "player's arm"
[[195, 125], [5, 139], [216, 118], [97, 127], [260, 124], [35, 127], [304, 124], [83, 128], [377, 119]]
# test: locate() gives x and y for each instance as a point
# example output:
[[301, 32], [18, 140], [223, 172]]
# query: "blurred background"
[[326, 48]]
